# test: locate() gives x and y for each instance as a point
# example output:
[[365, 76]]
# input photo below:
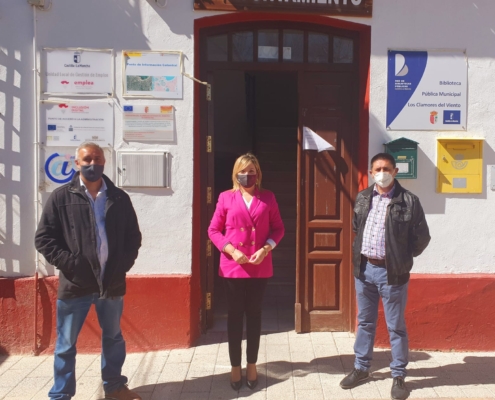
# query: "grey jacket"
[[406, 232]]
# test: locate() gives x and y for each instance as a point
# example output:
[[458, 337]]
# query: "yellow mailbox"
[[460, 165]]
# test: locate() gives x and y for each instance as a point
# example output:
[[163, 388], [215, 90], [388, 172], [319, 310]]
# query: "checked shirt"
[[374, 231]]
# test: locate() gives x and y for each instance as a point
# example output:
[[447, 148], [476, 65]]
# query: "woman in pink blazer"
[[245, 228]]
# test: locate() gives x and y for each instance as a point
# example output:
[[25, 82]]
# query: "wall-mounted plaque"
[[357, 8]]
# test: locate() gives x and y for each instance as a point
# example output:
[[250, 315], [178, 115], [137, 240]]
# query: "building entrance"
[[269, 80]]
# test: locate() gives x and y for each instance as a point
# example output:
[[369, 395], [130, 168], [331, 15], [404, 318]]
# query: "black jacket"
[[406, 232], [67, 239]]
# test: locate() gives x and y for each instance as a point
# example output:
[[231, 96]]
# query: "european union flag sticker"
[[452, 117], [52, 127], [127, 108]]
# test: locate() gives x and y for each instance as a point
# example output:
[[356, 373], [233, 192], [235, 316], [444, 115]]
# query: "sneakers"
[[123, 393], [356, 376], [399, 390]]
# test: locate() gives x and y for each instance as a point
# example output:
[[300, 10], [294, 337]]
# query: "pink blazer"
[[247, 230]]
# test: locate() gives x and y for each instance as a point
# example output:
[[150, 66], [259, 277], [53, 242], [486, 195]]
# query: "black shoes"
[[356, 376], [236, 385], [399, 390], [252, 384]]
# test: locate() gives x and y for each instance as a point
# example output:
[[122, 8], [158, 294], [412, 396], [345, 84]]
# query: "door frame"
[[199, 243]]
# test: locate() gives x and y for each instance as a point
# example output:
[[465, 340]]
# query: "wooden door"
[[324, 274]]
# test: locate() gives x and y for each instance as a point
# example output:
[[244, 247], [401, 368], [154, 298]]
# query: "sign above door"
[[358, 8]]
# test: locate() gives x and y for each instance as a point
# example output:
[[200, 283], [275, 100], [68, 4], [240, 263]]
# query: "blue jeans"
[[370, 286], [71, 314]]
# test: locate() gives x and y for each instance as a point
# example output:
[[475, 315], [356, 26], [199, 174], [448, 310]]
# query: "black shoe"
[[252, 384], [356, 376], [399, 390], [236, 385]]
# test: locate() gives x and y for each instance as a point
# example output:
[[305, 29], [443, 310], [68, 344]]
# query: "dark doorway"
[[258, 112]]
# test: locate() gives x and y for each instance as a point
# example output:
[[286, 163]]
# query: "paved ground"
[[291, 366]]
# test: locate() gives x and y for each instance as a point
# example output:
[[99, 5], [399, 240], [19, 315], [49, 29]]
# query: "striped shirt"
[[374, 231]]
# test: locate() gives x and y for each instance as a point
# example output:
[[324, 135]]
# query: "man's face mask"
[[92, 172]]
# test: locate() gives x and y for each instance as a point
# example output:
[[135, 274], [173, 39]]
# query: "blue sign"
[[52, 127], [452, 117], [128, 108], [60, 168]]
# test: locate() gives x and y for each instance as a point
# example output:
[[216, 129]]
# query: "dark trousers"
[[244, 296]]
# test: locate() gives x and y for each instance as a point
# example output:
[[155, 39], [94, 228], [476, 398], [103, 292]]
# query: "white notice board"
[[427, 90], [152, 74], [148, 123], [77, 72], [71, 123]]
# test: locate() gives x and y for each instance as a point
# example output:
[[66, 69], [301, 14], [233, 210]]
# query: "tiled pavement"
[[291, 366]]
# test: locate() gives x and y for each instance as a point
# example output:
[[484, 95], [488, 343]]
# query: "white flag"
[[313, 141]]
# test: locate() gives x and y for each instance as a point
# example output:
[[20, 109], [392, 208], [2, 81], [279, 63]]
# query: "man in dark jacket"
[[89, 231], [391, 229]]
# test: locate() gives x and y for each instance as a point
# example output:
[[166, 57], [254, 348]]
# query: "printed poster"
[[152, 74], [74, 122], [148, 123], [78, 72], [427, 90], [59, 166]]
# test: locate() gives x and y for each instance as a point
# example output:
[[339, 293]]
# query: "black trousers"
[[244, 296]]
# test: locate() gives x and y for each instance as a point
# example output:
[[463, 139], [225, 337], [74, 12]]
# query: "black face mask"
[[92, 172], [246, 181]]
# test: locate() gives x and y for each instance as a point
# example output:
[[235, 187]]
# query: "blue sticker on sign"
[[452, 117], [52, 127], [127, 108]]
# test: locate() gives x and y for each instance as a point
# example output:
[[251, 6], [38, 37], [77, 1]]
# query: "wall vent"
[[143, 169]]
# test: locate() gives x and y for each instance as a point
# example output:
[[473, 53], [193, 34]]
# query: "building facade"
[[263, 75]]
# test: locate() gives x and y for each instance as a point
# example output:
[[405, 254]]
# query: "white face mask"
[[383, 179]]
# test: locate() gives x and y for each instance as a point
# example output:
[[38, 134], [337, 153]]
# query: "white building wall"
[[461, 225]]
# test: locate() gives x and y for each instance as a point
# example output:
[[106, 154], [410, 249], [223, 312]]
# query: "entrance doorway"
[[257, 112], [270, 79]]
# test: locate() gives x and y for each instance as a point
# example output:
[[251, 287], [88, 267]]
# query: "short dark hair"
[[382, 156]]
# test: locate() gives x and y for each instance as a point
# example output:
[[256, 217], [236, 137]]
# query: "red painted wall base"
[[448, 312], [444, 312], [159, 313]]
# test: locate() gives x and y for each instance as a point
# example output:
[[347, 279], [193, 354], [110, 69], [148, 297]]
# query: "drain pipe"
[[36, 176]]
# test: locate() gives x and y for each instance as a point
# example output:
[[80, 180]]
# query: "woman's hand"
[[258, 257], [239, 257]]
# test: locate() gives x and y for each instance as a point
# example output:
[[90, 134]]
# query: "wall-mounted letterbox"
[[460, 165], [405, 153]]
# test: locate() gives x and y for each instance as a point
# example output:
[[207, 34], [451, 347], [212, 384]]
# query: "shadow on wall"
[[433, 202], [426, 183]]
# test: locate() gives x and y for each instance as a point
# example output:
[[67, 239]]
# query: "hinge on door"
[[208, 248], [208, 144], [208, 301], [208, 92], [208, 195], [304, 111]]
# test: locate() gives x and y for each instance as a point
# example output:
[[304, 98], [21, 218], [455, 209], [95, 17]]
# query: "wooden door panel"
[[325, 278]]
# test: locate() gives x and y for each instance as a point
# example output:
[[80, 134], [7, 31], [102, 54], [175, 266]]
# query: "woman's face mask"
[[246, 180]]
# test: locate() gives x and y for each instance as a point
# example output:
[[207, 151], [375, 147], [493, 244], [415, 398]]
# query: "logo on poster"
[[77, 57], [60, 168], [433, 117], [452, 117]]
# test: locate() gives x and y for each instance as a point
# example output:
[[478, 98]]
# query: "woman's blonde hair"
[[241, 163]]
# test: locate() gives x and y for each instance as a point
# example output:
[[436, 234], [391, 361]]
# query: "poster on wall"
[[59, 167], [148, 123], [78, 72], [152, 74], [427, 90], [71, 123]]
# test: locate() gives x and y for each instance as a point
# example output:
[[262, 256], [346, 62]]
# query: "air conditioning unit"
[[143, 169]]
